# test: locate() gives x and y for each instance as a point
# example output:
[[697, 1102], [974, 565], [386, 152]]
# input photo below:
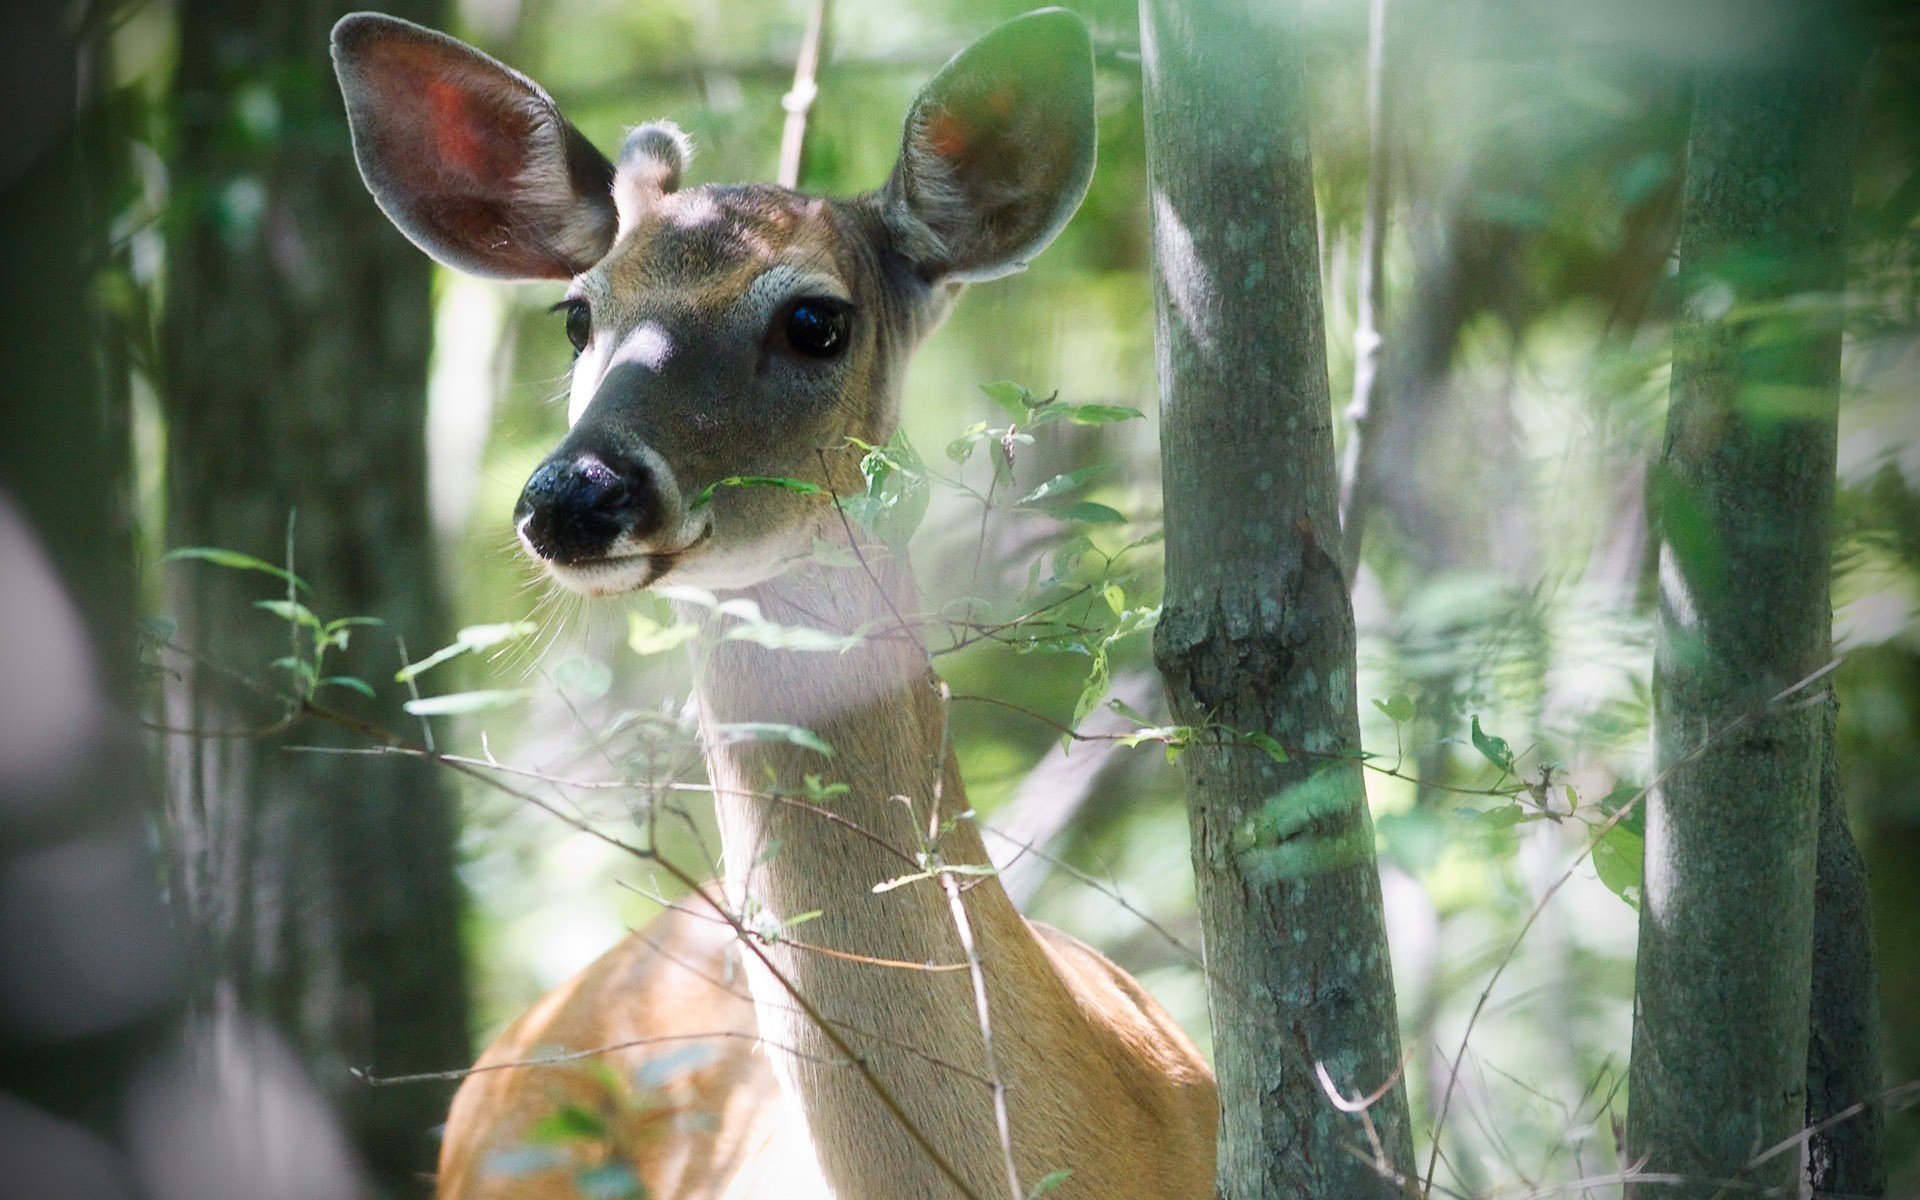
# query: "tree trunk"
[[1257, 633], [1745, 493], [321, 888]]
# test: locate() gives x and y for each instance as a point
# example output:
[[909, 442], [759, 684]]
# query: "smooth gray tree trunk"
[[1257, 632], [321, 888], [1745, 496]]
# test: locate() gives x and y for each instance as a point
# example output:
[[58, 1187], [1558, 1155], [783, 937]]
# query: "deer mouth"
[[621, 572]]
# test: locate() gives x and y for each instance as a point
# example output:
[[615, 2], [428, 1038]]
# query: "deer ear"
[[468, 157], [998, 150]]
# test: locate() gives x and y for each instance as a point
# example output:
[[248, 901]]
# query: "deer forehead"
[[713, 251]]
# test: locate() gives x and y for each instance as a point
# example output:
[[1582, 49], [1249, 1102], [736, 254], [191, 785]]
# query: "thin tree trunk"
[[1720, 1052], [321, 888], [1257, 633]]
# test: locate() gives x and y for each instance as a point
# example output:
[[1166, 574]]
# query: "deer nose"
[[574, 508]]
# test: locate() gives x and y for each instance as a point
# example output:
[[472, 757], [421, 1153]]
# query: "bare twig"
[[1362, 410], [799, 99]]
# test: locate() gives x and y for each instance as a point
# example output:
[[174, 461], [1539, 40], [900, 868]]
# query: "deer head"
[[720, 331]]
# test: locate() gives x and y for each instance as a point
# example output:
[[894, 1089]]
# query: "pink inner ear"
[[947, 135], [467, 130], [458, 139]]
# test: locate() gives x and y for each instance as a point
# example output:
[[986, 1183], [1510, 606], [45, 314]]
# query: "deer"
[[925, 1040]]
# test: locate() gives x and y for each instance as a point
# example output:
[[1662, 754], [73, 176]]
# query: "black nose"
[[576, 505]]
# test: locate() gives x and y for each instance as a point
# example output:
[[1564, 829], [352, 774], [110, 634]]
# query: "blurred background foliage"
[[1536, 156]]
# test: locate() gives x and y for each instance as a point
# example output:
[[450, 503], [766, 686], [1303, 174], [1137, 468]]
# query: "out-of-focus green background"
[[1537, 152]]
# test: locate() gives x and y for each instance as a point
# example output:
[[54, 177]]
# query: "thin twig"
[[1363, 411], [799, 99]]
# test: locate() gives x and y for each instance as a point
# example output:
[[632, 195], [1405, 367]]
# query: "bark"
[[321, 888], [1843, 1050], [1257, 632], [1745, 489]]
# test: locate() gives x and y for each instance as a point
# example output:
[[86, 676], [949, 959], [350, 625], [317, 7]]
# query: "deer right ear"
[[468, 157], [998, 150]]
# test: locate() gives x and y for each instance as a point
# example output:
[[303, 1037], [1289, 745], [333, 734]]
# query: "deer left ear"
[[998, 151]]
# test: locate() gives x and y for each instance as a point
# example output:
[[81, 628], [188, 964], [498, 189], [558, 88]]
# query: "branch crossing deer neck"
[[751, 332]]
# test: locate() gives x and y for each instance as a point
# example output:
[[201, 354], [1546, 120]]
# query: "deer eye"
[[817, 326], [579, 322]]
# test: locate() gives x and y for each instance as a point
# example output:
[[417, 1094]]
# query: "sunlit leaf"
[[237, 561], [466, 702]]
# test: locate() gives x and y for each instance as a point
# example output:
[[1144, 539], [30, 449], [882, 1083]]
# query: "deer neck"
[[806, 833], [890, 785]]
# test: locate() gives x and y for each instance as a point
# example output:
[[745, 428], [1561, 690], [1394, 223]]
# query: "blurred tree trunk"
[[321, 887], [1745, 490], [1257, 633]]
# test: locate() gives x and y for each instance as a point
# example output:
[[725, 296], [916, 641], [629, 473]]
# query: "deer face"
[[723, 333], [731, 333]]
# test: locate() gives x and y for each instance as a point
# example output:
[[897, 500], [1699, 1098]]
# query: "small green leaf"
[[1094, 690], [351, 683], [1115, 597], [235, 560], [798, 487], [1071, 481], [466, 702], [1086, 512], [1010, 396], [1052, 1180], [472, 639], [1399, 709], [1504, 817], [1265, 742], [1495, 749], [291, 611], [647, 636], [1619, 860], [1098, 414], [588, 676]]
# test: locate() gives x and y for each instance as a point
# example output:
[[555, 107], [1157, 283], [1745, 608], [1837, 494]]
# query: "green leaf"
[[960, 449], [351, 683], [1399, 709], [1619, 859], [1071, 481], [798, 487], [647, 636], [588, 676], [472, 639], [1098, 414], [1504, 817], [1495, 749], [1094, 690], [1265, 742], [1010, 396], [466, 702], [291, 611], [1052, 1180], [1088, 513], [237, 561]]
